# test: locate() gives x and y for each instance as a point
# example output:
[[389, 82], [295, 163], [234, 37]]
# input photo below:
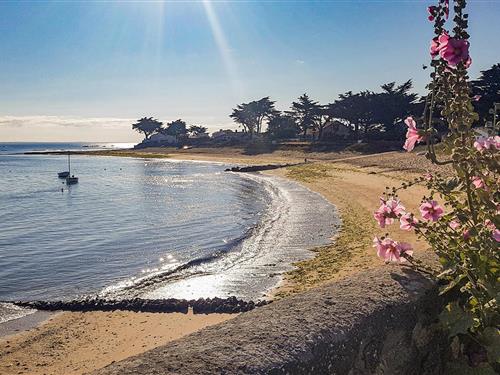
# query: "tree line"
[[178, 128], [367, 114]]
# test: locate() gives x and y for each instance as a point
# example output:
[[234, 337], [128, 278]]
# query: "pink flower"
[[496, 235], [495, 141], [482, 143], [412, 136], [431, 210], [476, 98], [388, 211], [478, 182], [392, 251], [407, 221], [454, 51], [428, 176], [438, 42], [489, 224], [434, 48], [466, 234], [454, 224]]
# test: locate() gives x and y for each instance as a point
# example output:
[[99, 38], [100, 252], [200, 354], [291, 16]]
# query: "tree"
[[488, 87], [354, 110], [392, 106], [197, 130], [148, 126], [251, 116], [282, 127], [176, 128], [306, 113]]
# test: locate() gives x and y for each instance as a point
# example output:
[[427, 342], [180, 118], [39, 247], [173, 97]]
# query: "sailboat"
[[70, 179], [64, 174]]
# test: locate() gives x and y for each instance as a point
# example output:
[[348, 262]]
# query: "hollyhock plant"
[[496, 235], [408, 222], [478, 182], [388, 211], [431, 210], [392, 251], [455, 51], [465, 238], [412, 135]]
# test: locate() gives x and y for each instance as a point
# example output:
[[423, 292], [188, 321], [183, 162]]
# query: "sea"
[[149, 228]]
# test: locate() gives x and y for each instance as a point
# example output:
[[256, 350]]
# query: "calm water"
[[148, 228]]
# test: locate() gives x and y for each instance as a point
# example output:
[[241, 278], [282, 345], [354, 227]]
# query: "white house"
[[159, 139]]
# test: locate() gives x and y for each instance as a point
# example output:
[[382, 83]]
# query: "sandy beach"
[[77, 343]]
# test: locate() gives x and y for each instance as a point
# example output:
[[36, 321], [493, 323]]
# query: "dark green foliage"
[[148, 126]]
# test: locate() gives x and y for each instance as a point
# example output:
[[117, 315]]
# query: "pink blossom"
[[489, 224], [412, 136], [388, 211], [496, 141], [496, 235], [438, 43], [466, 234], [454, 224], [476, 98], [392, 251], [434, 48], [454, 51], [407, 221], [482, 143], [431, 210], [477, 182], [428, 176]]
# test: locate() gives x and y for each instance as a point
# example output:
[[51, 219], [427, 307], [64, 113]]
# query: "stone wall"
[[382, 321]]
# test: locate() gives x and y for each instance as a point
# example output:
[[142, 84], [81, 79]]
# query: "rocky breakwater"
[[230, 305], [258, 168]]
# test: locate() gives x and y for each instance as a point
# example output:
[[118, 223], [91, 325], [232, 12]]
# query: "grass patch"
[[308, 172], [353, 238]]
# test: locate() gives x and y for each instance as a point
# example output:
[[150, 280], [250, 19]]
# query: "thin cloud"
[[64, 121]]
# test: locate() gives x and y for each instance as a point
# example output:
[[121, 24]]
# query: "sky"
[[86, 70]]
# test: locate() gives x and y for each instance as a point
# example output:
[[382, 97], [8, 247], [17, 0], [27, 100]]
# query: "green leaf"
[[455, 319], [452, 284]]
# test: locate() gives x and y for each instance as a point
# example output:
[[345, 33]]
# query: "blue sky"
[[73, 70]]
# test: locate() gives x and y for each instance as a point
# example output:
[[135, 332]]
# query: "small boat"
[[70, 179]]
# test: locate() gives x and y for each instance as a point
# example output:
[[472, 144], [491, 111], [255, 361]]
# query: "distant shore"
[[80, 342]]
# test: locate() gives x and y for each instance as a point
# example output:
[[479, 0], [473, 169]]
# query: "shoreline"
[[353, 186]]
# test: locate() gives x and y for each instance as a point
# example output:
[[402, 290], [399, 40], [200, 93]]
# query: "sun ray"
[[223, 46]]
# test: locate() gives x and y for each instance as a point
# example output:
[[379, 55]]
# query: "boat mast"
[[69, 164]]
